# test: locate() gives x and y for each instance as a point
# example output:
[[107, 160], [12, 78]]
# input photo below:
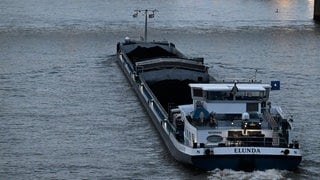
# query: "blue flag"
[[275, 85]]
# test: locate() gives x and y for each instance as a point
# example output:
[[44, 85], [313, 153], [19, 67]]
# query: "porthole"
[[214, 138]]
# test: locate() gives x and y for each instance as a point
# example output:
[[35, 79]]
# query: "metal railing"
[[255, 142], [152, 100], [271, 121]]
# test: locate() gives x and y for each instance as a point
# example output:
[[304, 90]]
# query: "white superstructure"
[[233, 114]]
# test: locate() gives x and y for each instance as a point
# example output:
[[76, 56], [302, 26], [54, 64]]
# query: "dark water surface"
[[67, 111]]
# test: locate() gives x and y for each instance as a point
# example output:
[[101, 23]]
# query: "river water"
[[67, 111]]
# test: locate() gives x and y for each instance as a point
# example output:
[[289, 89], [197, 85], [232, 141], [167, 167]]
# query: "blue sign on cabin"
[[275, 85]]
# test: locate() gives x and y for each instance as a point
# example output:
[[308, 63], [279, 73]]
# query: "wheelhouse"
[[220, 110], [238, 97]]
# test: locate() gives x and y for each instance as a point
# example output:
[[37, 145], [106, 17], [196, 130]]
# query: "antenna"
[[255, 75], [150, 15]]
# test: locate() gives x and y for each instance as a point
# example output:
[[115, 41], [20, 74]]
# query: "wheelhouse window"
[[218, 95], [197, 92], [240, 95], [250, 95]]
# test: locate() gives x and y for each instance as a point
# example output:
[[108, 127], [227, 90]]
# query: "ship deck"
[[222, 124]]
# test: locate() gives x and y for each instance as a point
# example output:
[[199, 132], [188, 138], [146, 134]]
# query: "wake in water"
[[256, 175]]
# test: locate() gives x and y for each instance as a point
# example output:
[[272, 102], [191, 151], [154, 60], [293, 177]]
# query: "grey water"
[[67, 111]]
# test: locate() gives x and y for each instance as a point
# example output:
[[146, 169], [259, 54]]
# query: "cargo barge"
[[204, 122]]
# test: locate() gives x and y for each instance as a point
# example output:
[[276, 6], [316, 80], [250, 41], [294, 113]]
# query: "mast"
[[147, 15]]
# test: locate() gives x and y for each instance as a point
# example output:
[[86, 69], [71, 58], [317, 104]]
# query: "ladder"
[[274, 126], [275, 139], [271, 121]]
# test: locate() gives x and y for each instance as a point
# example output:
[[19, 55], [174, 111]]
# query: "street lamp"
[[147, 13]]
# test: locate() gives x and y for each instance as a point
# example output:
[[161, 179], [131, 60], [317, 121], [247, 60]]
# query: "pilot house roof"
[[229, 86]]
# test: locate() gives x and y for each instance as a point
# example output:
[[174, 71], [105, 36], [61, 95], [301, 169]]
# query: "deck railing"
[[254, 142], [152, 100], [145, 91], [129, 64]]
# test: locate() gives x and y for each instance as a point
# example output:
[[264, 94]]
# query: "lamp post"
[[146, 11]]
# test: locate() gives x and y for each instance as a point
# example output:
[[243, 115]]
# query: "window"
[[252, 107], [214, 138], [250, 95], [219, 95], [197, 92]]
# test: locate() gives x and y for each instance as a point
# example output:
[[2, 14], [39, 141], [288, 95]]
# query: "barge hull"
[[178, 155], [246, 162]]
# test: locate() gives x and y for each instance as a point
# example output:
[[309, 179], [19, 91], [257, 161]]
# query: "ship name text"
[[246, 150]]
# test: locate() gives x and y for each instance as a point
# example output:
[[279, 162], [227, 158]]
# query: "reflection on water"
[[107, 15]]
